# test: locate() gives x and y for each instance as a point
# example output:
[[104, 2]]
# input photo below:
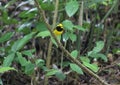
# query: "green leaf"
[[99, 46], [102, 56], [27, 15], [21, 59], [76, 68], [6, 37], [40, 62], [40, 26], [8, 60], [84, 59], [93, 67], [47, 6], [21, 42], [97, 55], [73, 37], [66, 64], [43, 34], [60, 75], [65, 36], [4, 69], [67, 24], [74, 53], [28, 53], [80, 28], [52, 72], [29, 68], [91, 53], [71, 7]]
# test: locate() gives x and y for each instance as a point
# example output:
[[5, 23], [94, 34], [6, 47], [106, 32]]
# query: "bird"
[[58, 29]]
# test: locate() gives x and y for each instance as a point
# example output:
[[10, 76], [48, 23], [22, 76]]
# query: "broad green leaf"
[[8, 60], [99, 46], [21, 59], [43, 34], [60, 75], [73, 37], [6, 37], [29, 68], [84, 59], [71, 7], [97, 55], [67, 24], [65, 36], [47, 6], [80, 28], [40, 26], [28, 53], [4, 69], [52, 72], [93, 67], [44, 68], [76, 68], [74, 53], [26, 14], [21, 42], [40, 62], [90, 53], [102, 56], [66, 63]]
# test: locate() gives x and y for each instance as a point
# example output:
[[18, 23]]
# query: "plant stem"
[[79, 33], [48, 60]]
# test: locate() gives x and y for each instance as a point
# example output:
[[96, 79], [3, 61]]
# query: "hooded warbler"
[[58, 30]]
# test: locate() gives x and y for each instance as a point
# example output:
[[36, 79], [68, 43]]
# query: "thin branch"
[[80, 21], [55, 13], [85, 69], [48, 60], [79, 33], [50, 44]]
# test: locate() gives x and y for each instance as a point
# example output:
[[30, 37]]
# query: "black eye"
[[59, 28]]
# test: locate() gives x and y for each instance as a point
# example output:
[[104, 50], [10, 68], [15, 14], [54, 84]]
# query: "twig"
[[80, 21], [48, 60], [85, 69], [79, 33]]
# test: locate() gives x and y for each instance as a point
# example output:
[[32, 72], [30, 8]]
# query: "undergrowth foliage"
[[24, 38]]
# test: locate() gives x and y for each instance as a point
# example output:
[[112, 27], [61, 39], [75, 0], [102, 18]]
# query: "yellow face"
[[58, 30]]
